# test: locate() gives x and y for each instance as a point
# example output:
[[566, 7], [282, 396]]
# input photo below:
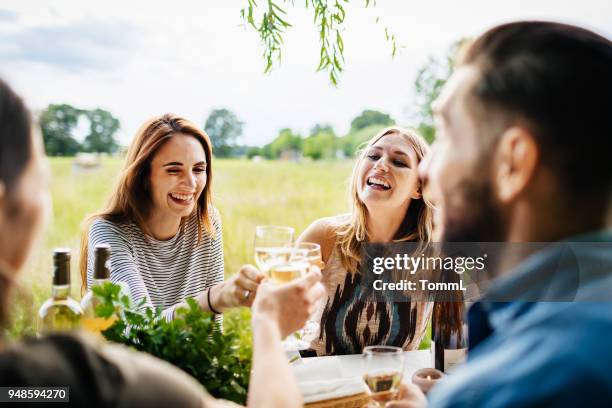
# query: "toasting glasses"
[[276, 256], [312, 255]]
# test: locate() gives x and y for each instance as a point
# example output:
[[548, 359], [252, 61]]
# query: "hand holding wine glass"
[[300, 296], [240, 288], [311, 252]]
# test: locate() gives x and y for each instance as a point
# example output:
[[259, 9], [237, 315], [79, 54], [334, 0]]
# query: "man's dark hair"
[[555, 80], [15, 138]]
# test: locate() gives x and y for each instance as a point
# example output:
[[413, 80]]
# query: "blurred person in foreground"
[[105, 375], [523, 155]]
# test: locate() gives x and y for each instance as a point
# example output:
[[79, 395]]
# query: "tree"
[[322, 127], [224, 128], [253, 151], [354, 140], [321, 145], [371, 117], [428, 85], [329, 17], [57, 123], [285, 142], [102, 128]]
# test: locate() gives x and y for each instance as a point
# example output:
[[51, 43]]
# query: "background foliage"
[[58, 123], [270, 20], [224, 128], [430, 80]]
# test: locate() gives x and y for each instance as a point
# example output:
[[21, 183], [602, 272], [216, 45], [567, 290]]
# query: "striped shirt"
[[164, 273]]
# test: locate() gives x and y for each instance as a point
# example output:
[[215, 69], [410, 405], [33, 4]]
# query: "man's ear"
[[516, 159]]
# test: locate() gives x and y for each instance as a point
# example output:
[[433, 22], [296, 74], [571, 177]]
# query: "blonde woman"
[[387, 207]]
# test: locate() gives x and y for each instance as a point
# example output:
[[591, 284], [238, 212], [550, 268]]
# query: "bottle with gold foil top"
[[60, 312], [90, 321]]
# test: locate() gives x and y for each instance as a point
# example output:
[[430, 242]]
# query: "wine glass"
[[312, 255], [288, 264], [271, 245], [383, 369], [276, 256]]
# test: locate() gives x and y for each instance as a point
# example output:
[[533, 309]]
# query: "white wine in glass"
[[285, 272], [272, 245], [266, 257], [312, 255], [383, 368]]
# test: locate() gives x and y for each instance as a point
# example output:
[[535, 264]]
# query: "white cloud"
[[84, 45]]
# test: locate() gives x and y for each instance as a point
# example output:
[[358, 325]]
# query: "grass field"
[[246, 193]]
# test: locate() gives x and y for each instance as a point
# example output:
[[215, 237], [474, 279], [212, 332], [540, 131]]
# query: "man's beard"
[[475, 217]]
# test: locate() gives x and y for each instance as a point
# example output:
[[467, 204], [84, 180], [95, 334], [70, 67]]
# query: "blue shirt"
[[528, 353]]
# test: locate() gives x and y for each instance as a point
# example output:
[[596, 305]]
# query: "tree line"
[[322, 142], [59, 123]]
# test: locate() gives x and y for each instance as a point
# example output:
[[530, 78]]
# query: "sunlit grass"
[[246, 193]]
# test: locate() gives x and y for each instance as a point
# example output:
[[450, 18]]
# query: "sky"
[[140, 59]]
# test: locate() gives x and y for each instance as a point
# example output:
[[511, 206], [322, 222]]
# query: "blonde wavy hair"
[[417, 224]]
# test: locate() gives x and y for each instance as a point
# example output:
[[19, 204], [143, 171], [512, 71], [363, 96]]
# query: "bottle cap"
[[102, 259], [61, 266]]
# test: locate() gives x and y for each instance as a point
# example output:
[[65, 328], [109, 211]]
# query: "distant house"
[[291, 155]]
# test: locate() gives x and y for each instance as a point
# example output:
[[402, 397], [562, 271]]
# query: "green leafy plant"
[[193, 341]]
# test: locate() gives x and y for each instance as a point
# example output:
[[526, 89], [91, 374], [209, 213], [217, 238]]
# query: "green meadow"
[[246, 194]]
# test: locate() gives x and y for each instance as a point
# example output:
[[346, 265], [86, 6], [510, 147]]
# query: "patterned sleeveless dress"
[[351, 320]]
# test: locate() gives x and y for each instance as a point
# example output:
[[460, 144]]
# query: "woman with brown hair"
[[387, 207], [102, 374], [164, 233]]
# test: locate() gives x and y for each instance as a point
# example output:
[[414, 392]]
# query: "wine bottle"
[[60, 312], [101, 275], [449, 329]]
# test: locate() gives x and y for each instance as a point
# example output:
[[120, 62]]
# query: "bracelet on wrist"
[[210, 304]]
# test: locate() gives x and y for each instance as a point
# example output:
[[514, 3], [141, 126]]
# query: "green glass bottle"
[[101, 276], [60, 312]]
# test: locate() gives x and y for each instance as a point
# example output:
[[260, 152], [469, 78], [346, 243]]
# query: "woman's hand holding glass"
[[239, 289]]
